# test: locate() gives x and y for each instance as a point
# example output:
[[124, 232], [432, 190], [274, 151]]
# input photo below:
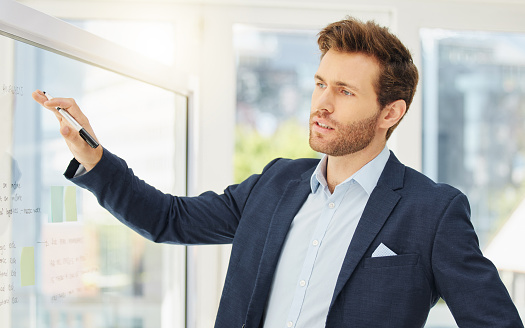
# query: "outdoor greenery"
[[253, 150]]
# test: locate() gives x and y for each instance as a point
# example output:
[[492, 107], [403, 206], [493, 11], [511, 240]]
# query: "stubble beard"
[[350, 139]]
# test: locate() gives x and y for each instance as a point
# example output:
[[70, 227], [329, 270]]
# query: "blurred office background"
[[253, 62]]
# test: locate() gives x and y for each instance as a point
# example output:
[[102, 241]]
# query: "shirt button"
[[302, 283], [315, 242], [331, 205], [289, 324]]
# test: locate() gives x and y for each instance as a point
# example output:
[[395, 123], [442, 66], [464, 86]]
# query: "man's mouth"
[[324, 126]]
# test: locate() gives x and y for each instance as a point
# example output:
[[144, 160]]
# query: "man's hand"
[[84, 154]]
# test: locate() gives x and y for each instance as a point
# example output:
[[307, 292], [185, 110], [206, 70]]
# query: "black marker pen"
[[83, 133]]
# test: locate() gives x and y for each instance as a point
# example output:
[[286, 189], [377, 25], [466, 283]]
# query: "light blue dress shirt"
[[316, 245]]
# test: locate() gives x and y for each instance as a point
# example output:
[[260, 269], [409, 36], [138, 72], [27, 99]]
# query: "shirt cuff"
[[80, 171], [74, 170]]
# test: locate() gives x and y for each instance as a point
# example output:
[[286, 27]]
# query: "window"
[[275, 70], [474, 136]]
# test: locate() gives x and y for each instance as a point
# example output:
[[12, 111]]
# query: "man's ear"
[[392, 113]]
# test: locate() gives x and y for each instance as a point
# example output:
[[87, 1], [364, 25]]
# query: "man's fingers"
[[39, 97]]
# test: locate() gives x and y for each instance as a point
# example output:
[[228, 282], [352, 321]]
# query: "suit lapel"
[[293, 198], [377, 210]]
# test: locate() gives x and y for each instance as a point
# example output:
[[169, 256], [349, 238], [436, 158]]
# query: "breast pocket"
[[404, 272], [391, 261], [384, 290]]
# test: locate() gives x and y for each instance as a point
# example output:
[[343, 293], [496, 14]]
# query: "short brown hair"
[[398, 76]]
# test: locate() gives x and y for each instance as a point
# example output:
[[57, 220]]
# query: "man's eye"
[[346, 93], [321, 85]]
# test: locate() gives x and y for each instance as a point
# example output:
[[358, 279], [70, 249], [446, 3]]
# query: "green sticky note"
[[70, 202], [27, 266], [57, 204]]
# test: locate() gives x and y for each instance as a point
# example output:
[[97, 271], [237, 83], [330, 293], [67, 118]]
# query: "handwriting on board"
[[13, 89]]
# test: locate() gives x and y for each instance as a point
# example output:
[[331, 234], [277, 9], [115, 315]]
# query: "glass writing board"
[[65, 261]]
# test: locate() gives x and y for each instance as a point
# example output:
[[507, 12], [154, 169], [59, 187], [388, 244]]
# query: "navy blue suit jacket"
[[426, 224]]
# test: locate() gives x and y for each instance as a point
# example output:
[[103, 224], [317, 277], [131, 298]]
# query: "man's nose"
[[324, 101]]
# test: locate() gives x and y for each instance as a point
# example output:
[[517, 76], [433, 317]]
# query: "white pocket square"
[[382, 250]]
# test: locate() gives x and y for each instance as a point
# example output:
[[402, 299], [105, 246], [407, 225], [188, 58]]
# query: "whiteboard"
[[65, 261]]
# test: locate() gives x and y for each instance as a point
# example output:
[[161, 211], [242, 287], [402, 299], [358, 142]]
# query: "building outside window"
[[474, 135]]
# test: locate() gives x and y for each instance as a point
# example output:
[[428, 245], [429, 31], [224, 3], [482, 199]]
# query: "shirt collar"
[[367, 176]]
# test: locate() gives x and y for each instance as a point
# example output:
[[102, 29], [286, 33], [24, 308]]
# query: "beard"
[[350, 138]]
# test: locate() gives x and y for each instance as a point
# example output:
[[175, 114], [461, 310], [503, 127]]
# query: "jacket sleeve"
[[467, 281], [207, 219]]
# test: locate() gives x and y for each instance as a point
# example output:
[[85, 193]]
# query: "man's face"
[[344, 104]]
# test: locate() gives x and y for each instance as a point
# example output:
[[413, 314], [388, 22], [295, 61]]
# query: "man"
[[354, 240]]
